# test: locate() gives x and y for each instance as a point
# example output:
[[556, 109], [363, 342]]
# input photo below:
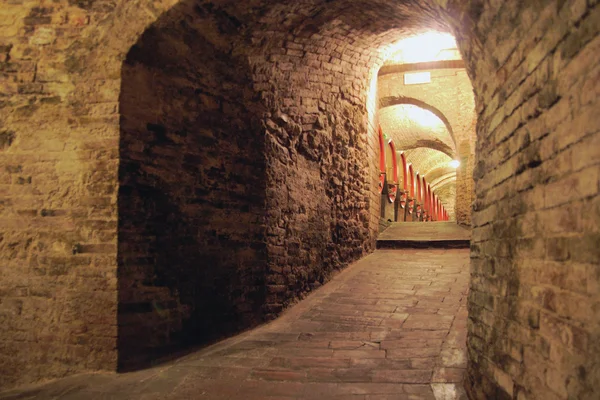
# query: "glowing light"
[[414, 78], [430, 46], [455, 163], [423, 117]]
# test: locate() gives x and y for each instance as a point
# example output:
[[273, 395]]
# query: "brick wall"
[[58, 185], [533, 305]]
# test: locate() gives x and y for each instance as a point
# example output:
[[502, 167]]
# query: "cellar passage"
[[177, 171]]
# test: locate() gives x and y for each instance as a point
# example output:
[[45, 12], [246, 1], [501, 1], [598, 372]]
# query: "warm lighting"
[[414, 78], [455, 163], [430, 46], [423, 117]]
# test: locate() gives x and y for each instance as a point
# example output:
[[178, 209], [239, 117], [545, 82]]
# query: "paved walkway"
[[391, 326]]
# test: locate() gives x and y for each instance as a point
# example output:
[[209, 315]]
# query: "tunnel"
[[178, 172]]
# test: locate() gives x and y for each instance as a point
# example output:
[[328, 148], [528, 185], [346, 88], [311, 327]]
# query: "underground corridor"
[[317, 199]]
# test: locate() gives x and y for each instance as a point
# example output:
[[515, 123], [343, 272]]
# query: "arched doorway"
[[192, 191]]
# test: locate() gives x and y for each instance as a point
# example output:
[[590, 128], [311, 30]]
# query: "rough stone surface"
[[192, 249]]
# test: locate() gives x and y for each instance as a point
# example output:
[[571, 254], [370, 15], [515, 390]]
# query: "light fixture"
[[455, 163]]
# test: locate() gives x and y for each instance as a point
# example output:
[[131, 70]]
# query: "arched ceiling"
[[432, 46], [426, 160], [411, 127], [390, 101], [421, 118], [439, 172], [449, 178], [449, 93]]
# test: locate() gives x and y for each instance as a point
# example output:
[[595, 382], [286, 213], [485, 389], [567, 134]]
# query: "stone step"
[[444, 235], [423, 244]]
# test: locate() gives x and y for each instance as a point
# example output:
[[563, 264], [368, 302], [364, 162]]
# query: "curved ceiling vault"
[[411, 127], [390, 101], [427, 160]]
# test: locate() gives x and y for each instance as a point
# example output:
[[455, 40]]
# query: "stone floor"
[[391, 326], [426, 235]]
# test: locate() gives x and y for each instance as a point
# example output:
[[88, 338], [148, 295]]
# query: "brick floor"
[[391, 326]]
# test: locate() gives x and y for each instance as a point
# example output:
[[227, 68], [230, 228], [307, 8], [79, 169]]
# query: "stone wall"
[[465, 192], [86, 150], [58, 184]]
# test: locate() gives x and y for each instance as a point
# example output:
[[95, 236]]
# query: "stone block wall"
[[465, 191], [58, 193], [318, 210]]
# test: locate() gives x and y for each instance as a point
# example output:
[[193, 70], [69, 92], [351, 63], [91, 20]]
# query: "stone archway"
[[390, 101], [192, 253]]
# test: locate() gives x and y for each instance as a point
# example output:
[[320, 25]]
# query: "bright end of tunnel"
[[430, 46], [423, 117], [455, 163]]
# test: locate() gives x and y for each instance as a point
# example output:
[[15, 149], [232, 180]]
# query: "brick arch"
[[390, 101], [105, 49], [294, 136], [450, 93]]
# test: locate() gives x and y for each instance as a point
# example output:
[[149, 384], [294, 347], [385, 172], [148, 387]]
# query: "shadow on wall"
[[191, 249]]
